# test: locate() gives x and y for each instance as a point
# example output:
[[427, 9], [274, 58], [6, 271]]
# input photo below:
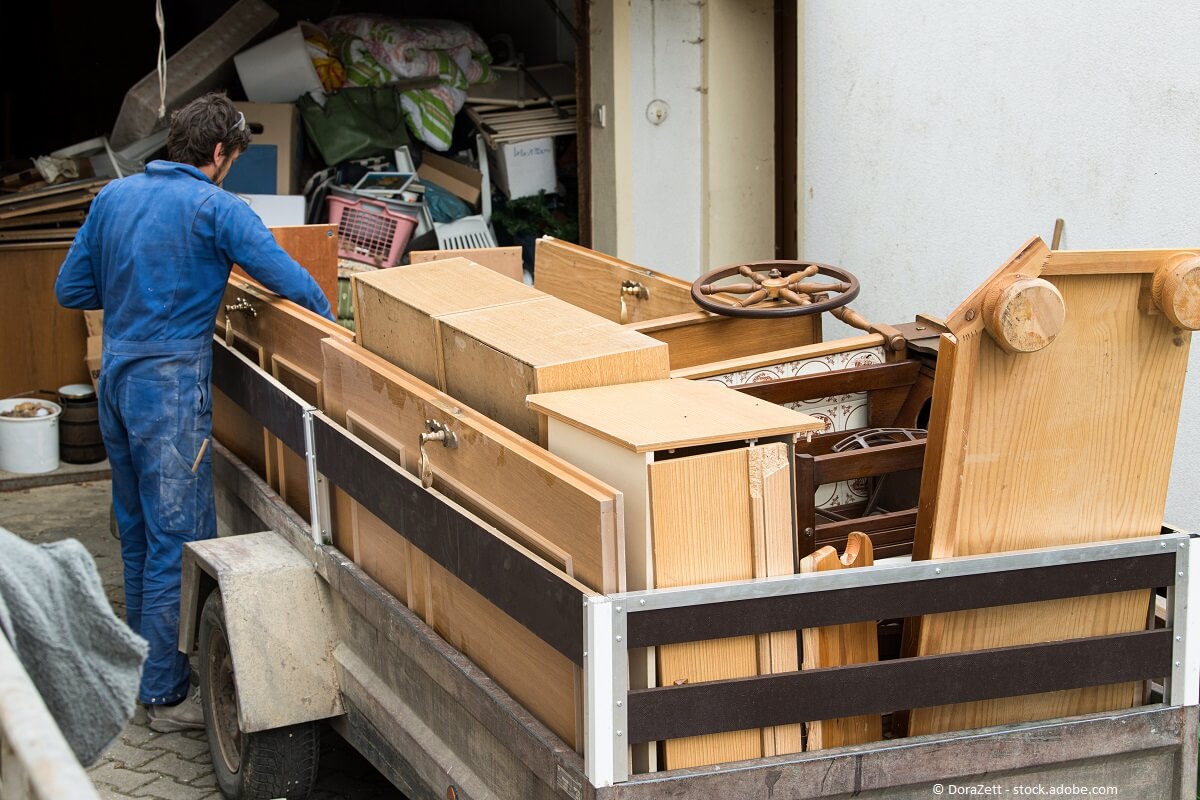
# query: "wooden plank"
[[537, 498], [92, 186], [840, 645], [44, 343], [38, 235], [835, 382], [699, 337], [73, 200], [495, 357], [396, 310], [665, 414], [1096, 262], [592, 280], [504, 260], [1079, 436], [44, 219], [705, 523]]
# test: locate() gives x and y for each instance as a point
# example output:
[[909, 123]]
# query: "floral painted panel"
[[839, 413]]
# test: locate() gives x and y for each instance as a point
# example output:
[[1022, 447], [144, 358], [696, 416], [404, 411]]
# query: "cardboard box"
[[396, 311], [95, 322], [458, 179], [95, 349], [522, 169], [271, 165]]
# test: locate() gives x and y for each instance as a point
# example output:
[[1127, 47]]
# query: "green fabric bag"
[[355, 121]]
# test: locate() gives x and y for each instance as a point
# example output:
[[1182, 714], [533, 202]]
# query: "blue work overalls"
[[155, 253]]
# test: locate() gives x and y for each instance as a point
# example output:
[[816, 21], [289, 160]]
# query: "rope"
[[162, 58]]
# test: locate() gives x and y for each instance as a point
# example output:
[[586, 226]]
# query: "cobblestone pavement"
[[143, 763]]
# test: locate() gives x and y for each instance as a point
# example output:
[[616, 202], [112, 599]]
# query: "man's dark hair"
[[198, 127]]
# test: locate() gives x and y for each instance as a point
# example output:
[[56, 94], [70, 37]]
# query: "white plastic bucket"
[[279, 70], [29, 445]]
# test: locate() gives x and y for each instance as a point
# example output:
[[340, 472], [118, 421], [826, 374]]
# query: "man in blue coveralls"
[[155, 253]]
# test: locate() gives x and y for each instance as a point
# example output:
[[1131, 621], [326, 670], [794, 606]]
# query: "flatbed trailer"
[[308, 636]]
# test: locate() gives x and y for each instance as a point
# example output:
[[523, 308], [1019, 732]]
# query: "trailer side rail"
[[599, 639]]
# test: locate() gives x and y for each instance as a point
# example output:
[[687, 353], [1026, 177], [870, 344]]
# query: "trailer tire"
[[248, 766]]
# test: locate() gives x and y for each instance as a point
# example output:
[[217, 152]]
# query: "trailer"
[[291, 633]]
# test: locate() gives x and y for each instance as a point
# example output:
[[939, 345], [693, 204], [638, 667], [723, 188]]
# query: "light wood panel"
[[504, 260], [710, 514], [1065, 445], [699, 337], [396, 310], [287, 338], [570, 518], [592, 280], [840, 645], [556, 511], [44, 344], [495, 357], [660, 415]]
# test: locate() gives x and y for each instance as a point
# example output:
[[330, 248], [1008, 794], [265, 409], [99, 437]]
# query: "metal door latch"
[[435, 432], [634, 289]]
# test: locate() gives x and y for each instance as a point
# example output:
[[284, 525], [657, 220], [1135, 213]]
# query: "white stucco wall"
[[939, 135]]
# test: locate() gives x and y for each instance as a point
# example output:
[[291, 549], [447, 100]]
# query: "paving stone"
[[187, 749], [175, 767], [164, 788], [119, 778], [206, 781], [105, 794], [126, 755]]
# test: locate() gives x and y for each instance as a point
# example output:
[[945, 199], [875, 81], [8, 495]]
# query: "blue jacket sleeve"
[[243, 239], [78, 285]]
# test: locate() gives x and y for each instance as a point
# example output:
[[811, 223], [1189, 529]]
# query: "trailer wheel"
[[248, 766]]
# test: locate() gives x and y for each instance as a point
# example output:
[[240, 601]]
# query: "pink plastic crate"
[[369, 231]]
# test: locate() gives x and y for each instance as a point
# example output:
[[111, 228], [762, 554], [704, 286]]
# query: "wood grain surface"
[[44, 344], [1066, 445], [841, 645]]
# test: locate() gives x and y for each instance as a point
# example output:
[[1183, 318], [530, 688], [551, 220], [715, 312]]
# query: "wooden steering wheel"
[[777, 289]]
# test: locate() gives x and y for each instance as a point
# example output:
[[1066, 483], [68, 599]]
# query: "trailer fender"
[[279, 627]]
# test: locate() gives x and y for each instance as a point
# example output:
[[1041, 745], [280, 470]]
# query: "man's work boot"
[[186, 715]]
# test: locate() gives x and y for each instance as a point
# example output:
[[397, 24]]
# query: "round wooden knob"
[[1176, 290], [1023, 314]]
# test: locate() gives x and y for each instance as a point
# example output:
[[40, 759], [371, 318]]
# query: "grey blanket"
[[85, 662]]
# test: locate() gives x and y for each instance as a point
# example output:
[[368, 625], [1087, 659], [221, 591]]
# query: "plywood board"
[[504, 260], [556, 511], [44, 344], [315, 247], [707, 512], [287, 339], [592, 280], [1065, 445], [495, 357], [660, 415], [698, 337], [395, 310], [570, 518], [841, 645]]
